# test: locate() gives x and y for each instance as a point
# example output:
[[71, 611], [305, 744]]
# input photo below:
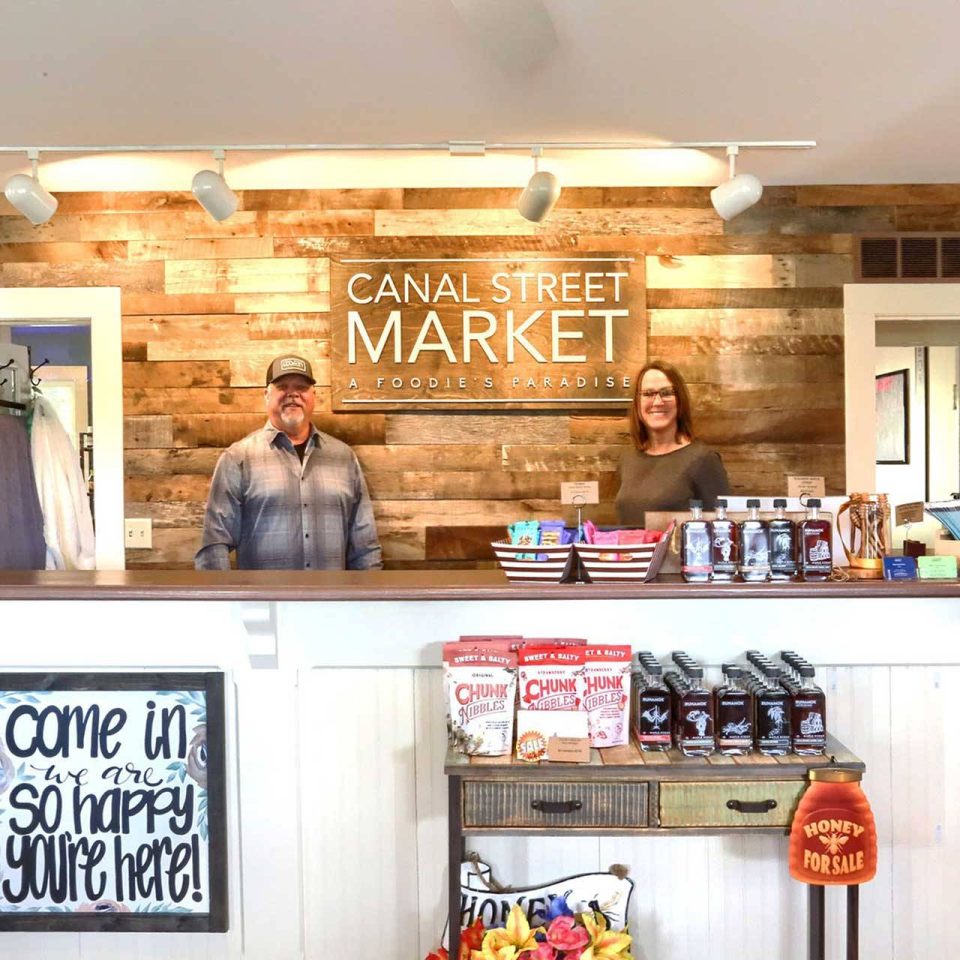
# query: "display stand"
[[624, 792]]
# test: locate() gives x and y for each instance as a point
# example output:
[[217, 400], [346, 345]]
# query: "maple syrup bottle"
[[773, 714], [754, 545], [809, 714], [783, 544], [814, 535], [724, 544], [696, 721], [695, 546], [654, 711], [734, 715]]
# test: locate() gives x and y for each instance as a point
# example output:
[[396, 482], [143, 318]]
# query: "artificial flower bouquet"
[[564, 936]]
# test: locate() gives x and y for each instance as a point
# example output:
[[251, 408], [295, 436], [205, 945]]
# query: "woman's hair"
[[638, 429]]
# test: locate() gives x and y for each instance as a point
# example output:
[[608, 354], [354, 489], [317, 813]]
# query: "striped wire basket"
[[557, 566], [641, 562]]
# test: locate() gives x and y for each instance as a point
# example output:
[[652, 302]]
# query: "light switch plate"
[[138, 534]]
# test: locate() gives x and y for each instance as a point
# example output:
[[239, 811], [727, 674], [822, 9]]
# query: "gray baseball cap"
[[285, 365]]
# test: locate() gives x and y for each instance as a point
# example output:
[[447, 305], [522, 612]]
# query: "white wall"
[[337, 801]]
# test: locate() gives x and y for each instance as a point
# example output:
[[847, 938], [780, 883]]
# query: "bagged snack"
[[628, 537], [606, 536], [605, 694], [549, 677], [480, 688], [525, 533], [551, 534], [589, 529]]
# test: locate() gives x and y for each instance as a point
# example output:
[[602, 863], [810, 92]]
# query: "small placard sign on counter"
[[937, 567], [580, 492], [899, 568], [806, 487], [909, 513], [113, 802]]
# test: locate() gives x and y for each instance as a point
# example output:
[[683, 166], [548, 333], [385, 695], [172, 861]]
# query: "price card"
[[806, 487], [937, 568], [580, 493]]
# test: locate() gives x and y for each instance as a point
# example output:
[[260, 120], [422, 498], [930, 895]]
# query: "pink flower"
[[543, 952], [564, 934]]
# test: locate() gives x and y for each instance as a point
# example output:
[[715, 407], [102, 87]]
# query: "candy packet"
[[525, 533], [603, 537], [629, 537], [551, 534]]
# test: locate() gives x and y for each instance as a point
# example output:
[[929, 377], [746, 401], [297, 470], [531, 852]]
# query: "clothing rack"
[[10, 374]]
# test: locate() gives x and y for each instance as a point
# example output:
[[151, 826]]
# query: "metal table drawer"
[[552, 804]]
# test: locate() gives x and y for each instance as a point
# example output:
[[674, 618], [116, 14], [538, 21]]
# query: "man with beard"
[[289, 497]]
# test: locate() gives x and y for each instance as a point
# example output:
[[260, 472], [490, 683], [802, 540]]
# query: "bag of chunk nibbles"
[[549, 677], [480, 684], [605, 694]]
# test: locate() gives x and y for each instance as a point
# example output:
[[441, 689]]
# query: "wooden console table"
[[623, 791]]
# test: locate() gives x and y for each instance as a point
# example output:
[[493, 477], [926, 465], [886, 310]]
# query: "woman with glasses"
[[665, 467]]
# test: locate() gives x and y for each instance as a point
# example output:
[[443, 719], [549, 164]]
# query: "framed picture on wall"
[[113, 802], [893, 417]]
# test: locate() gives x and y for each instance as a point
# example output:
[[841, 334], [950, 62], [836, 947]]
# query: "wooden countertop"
[[413, 585]]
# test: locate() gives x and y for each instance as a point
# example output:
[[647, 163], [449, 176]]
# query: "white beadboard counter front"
[[336, 742]]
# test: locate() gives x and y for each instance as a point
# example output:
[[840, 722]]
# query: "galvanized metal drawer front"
[[729, 803], [554, 804]]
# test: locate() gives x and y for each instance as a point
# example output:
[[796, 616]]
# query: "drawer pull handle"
[[556, 806], [752, 806]]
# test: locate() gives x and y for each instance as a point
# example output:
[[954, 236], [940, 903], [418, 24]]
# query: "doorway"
[[909, 332], [96, 310]]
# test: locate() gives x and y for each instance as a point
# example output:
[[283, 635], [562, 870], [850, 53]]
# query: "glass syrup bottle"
[[773, 714], [754, 545], [724, 544], [695, 546], [808, 713], [814, 535], [734, 714], [783, 544], [696, 720], [654, 713]]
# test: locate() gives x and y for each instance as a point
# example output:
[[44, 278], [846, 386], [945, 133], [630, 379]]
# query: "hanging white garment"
[[67, 523]]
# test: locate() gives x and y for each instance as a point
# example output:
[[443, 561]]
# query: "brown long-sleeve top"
[[669, 481]]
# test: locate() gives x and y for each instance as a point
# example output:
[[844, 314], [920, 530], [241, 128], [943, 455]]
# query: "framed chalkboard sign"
[[112, 802]]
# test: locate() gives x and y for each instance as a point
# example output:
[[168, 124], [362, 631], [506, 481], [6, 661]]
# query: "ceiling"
[[876, 85]]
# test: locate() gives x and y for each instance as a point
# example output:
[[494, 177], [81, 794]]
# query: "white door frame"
[[863, 305], [100, 308]]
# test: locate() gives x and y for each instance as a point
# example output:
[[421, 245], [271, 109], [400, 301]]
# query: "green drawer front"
[[521, 804], [706, 804]]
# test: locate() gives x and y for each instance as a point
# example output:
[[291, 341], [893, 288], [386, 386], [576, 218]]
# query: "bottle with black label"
[[783, 544], [814, 536], [696, 717], [754, 545], [724, 544], [654, 714], [695, 546], [809, 714], [734, 715], [773, 714]]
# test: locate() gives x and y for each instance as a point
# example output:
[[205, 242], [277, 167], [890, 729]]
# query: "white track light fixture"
[[737, 194], [541, 193], [28, 196], [212, 192]]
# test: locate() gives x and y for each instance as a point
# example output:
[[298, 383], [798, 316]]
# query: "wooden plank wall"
[[751, 310]]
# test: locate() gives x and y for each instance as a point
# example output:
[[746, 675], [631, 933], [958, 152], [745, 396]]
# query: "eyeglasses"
[[664, 393]]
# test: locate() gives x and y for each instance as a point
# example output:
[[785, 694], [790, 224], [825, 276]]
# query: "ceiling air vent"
[[909, 257]]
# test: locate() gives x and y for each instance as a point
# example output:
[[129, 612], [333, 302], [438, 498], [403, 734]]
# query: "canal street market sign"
[[530, 333]]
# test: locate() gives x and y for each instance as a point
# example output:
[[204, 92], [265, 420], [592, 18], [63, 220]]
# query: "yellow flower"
[[509, 942], [604, 944]]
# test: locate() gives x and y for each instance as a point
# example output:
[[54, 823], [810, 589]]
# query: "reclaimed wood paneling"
[[751, 310]]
